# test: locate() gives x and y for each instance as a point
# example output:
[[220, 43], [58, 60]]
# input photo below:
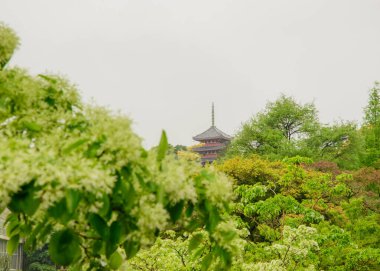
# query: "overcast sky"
[[163, 62]]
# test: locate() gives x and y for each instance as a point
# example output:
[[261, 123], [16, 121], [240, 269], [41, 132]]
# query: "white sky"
[[163, 62]]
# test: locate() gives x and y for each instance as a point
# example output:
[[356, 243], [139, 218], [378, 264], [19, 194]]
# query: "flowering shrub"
[[76, 177]]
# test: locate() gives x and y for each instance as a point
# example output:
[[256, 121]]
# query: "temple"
[[213, 142]]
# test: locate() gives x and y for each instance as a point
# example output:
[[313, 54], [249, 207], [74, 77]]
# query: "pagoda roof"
[[212, 133]]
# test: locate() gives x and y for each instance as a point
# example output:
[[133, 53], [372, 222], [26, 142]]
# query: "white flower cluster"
[[294, 249], [218, 188], [176, 178], [274, 265], [120, 145], [151, 216], [51, 172]]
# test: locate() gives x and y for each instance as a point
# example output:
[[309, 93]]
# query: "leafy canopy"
[[371, 128], [8, 44], [286, 128], [277, 129]]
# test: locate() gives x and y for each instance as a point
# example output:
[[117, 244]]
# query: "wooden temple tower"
[[214, 142]]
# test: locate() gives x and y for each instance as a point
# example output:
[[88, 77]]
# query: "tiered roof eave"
[[212, 133]]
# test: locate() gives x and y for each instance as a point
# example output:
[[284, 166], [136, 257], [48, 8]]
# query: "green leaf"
[[176, 210], [144, 153], [106, 205], [97, 247], [194, 224], [99, 225], [162, 147], [115, 260], [225, 256], [195, 241], [116, 233], [93, 148], [30, 242], [72, 199], [213, 217], [189, 210], [110, 249], [123, 194], [32, 126], [13, 228], [24, 201], [74, 145], [10, 217], [131, 248], [50, 79], [59, 211], [198, 253], [45, 232], [12, 244], [126, 172], [206, 262], [130, 196], [161, 195], [64, 247]]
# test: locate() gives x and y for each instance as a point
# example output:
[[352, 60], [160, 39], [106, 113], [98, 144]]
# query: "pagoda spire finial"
[[213, 115]]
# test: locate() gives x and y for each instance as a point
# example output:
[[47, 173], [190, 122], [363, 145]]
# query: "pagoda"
[[213, 142]]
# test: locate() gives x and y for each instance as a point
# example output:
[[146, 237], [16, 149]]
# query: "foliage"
[[325, 166], [340, 143], [166, 254], [41, 267], [295, 251], [290, 118], [188, 155], [76, 177], [371, 128], [187, 252], [178, 148], [366, 184], [319, 197], [8, 44], [286, 129], [84, 193], [251, 170], [275, 132], [39, 260]]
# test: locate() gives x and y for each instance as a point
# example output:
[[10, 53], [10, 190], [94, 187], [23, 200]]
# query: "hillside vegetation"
[[291, 193]]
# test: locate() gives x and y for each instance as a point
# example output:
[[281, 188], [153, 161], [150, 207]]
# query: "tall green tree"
[[341, 143], [371, 128], [286, 128], [277, 130], [292, 119]]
